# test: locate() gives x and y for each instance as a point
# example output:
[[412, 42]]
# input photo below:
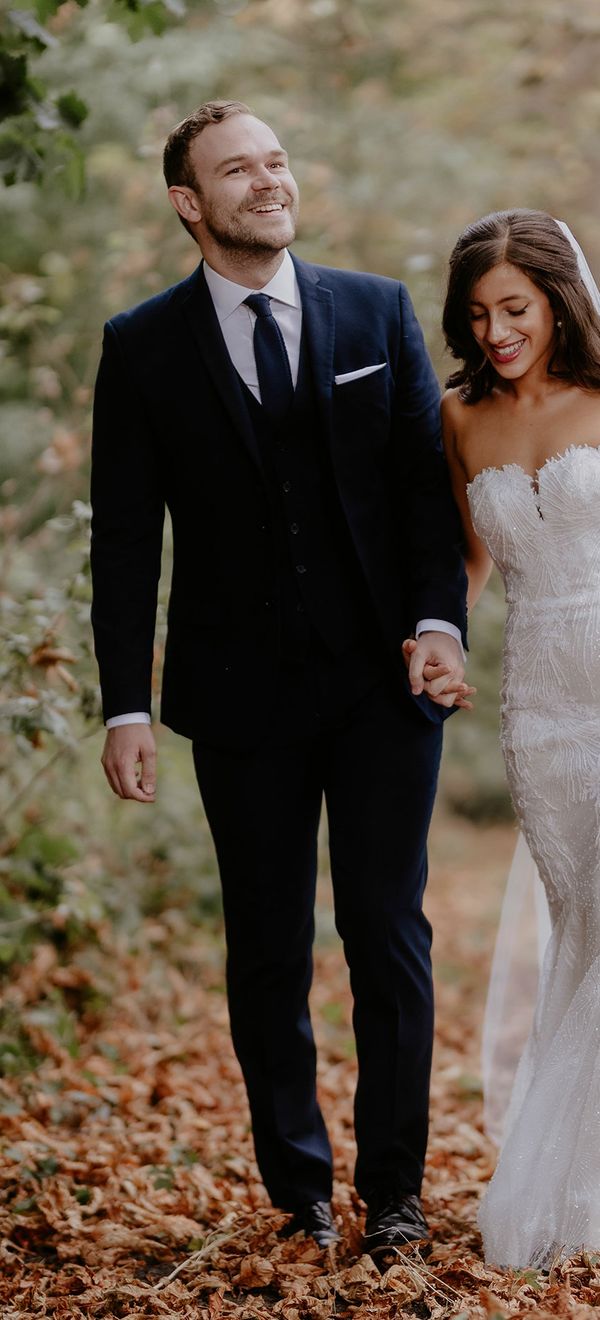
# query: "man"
[[288, 416]]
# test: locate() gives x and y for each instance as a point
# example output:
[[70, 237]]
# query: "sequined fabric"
[[544, 1198]]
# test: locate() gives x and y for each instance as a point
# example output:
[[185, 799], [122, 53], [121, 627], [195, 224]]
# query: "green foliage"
[[17, 1054], [72, 109], [142, 16], [34, 143], [403, 122]]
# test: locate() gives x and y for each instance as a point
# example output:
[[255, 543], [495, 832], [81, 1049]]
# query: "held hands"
[[435, 666], [126, 747]]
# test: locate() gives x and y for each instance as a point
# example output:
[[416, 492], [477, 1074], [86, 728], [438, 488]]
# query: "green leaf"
[[47, 1167], [72, 109], [46, 9], [165, 1177], [72, 170], [141, 16]]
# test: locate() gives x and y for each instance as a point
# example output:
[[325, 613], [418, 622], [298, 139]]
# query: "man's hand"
[[126, 746], [435, 666]]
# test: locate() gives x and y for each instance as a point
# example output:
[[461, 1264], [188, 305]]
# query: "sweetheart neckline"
[[534, 481]]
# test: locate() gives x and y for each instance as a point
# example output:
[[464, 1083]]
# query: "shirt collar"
[[228, 296]]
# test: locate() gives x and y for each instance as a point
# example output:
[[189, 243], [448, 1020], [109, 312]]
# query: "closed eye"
[[512, 311]]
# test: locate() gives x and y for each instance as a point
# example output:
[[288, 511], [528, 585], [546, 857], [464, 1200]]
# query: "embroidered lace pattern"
[[544, 535]]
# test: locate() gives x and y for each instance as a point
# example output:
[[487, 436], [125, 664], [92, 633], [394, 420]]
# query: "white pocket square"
[[356, 375]]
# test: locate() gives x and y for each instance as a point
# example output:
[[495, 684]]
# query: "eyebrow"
[[234, 160], [510, 297]]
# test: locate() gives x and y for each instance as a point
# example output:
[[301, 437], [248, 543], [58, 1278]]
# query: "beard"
[[234, 233]]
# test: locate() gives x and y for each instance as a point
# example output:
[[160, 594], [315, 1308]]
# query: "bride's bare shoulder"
[[461, 416], [454, 417], [451, 399]]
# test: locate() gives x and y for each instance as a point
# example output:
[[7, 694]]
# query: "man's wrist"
[[441, 625], [137, 717]]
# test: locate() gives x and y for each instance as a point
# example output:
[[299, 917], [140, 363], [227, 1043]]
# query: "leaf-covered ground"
[[128, 1181]]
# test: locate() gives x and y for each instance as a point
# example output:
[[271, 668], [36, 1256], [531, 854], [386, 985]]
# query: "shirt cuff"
[[441, 625], [138, 717]]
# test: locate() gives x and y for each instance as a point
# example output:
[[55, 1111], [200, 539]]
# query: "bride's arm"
[[477, 560]]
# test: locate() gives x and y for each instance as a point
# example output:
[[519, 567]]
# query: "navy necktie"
[[272, 362]]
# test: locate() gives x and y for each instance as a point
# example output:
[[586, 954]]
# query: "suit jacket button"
[[294, 529], [286, 486], [300, 568]]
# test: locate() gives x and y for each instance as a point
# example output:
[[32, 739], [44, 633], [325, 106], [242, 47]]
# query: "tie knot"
[[259, 303]]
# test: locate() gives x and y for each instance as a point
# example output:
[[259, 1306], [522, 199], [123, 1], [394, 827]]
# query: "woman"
[[522, 436]]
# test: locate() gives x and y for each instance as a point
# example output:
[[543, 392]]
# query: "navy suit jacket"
[[171, 427]]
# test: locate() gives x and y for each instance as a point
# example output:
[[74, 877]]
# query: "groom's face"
[[247, 196]]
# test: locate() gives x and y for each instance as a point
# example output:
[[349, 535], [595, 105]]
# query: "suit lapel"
[[198, 309], [319, 328]]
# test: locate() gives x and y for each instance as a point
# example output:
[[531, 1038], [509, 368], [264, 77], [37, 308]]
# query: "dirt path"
[[129, 1185]]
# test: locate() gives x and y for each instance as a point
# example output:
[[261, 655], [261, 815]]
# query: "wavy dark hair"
[[532, 241]]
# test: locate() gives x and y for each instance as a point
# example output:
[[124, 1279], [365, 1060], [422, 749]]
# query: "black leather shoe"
[[393, 1220], [316, 1221]]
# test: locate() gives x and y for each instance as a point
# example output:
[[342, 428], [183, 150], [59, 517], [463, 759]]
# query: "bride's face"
[[513, 321]]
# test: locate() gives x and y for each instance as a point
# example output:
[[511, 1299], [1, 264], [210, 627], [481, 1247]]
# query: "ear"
[[186, 203]]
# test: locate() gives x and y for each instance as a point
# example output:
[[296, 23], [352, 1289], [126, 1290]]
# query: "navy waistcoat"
[[319, 576]]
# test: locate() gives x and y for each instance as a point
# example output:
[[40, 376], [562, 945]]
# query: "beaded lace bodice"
[[542, 533], [545, 539]]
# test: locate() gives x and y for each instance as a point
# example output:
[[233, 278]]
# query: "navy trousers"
[[342, 731]]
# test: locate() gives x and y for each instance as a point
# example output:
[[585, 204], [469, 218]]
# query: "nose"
[[498, 328], [264, 178]]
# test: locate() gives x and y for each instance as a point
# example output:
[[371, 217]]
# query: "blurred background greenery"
[[404, 120]]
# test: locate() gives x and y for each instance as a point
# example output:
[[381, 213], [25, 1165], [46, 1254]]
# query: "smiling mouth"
[[508, 352], [269, 208]]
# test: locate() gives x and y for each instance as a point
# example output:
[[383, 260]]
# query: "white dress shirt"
[[237, 326], [237, 321]]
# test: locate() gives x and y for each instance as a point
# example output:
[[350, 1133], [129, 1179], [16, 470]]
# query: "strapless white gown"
[[544, 1198]]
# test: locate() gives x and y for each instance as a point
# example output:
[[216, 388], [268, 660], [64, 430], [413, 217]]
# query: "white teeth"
[[510, 349], [264, 210]]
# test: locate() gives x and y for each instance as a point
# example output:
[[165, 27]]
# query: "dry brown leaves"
[[127, 1177]]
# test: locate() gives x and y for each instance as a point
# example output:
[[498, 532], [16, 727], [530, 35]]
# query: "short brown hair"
[[532, 241], [176, 160]]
